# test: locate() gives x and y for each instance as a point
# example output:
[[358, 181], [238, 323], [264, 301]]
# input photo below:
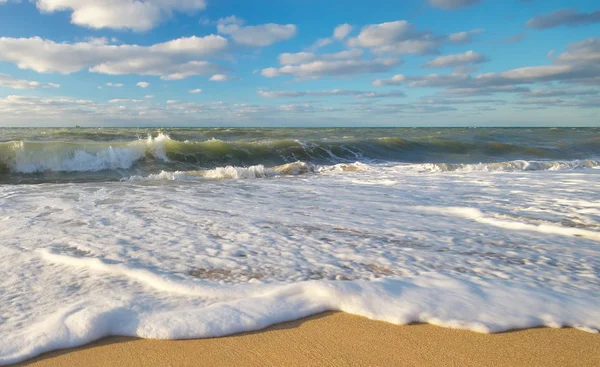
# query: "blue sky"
[[299, 63]]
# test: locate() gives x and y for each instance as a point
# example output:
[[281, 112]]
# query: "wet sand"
[[338, 339]]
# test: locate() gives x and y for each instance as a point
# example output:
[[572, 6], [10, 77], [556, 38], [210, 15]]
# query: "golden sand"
[[337, 339]]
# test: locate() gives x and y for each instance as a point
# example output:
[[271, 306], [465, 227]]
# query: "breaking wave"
[[32, 157], [160, 157], [258, 171], [161, 150], [303, 168]]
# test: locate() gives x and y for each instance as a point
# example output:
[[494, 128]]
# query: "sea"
[[193, 233]]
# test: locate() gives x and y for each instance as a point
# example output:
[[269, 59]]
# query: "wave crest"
[[33, 157], [252, 172]]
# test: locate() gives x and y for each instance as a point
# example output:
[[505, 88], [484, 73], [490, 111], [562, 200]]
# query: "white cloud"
[[125, 101], [97, 40], [174, 59], [149, 96], [579, 65], [456, 101], [342, 31], [569, 17], [297, 58], [333, 68], [398, 37], [484, 91], [321, 42], [120, 14], [343, 63], [14, 83], [558, 102], [114, 85], [219, 78], [306, 57], [464, 37], [392, 93], [329, 93], [561, 93], [339, 34], [195, 91], [586, 52], [282, 94], [258, 35], [143, 84], [452, 4], [455, 60]]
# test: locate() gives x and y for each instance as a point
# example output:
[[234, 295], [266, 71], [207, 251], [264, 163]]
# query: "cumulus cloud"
[[464, 37], [176, 59], [219, 78], [454, 101], [332, 68], [195, 91], [339, 34], [258, 35], [306, 57], [483, 91], [342, 31], [568, 17], [558, 102], [579, 65], [560, 93], [114, 85], [14, 110], [283, 94], [120, 14], [329, 93], [456, 60], [398, 37], [452, 4], [404, 108], [582, 53], [143, 84], [14, 83], [124, 101]]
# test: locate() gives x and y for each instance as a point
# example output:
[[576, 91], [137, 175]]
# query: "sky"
[[297, 63]]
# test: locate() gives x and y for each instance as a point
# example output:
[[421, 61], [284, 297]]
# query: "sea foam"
[[226, 248], [497, 252]]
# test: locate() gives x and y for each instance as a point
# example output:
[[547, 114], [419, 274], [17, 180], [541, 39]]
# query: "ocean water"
[[188, 233]]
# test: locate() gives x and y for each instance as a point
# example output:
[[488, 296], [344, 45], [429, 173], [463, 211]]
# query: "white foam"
[[477, 215], [434, 299], [252, 172], [476, 251]]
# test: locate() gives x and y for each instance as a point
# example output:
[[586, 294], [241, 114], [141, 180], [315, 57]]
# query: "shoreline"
[[339, 339]]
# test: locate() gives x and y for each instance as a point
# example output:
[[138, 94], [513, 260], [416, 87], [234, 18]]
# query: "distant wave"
[[174, 155], [510, 166]]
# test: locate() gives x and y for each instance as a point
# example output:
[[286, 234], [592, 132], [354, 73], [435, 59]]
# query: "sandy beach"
[[338, 339]]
